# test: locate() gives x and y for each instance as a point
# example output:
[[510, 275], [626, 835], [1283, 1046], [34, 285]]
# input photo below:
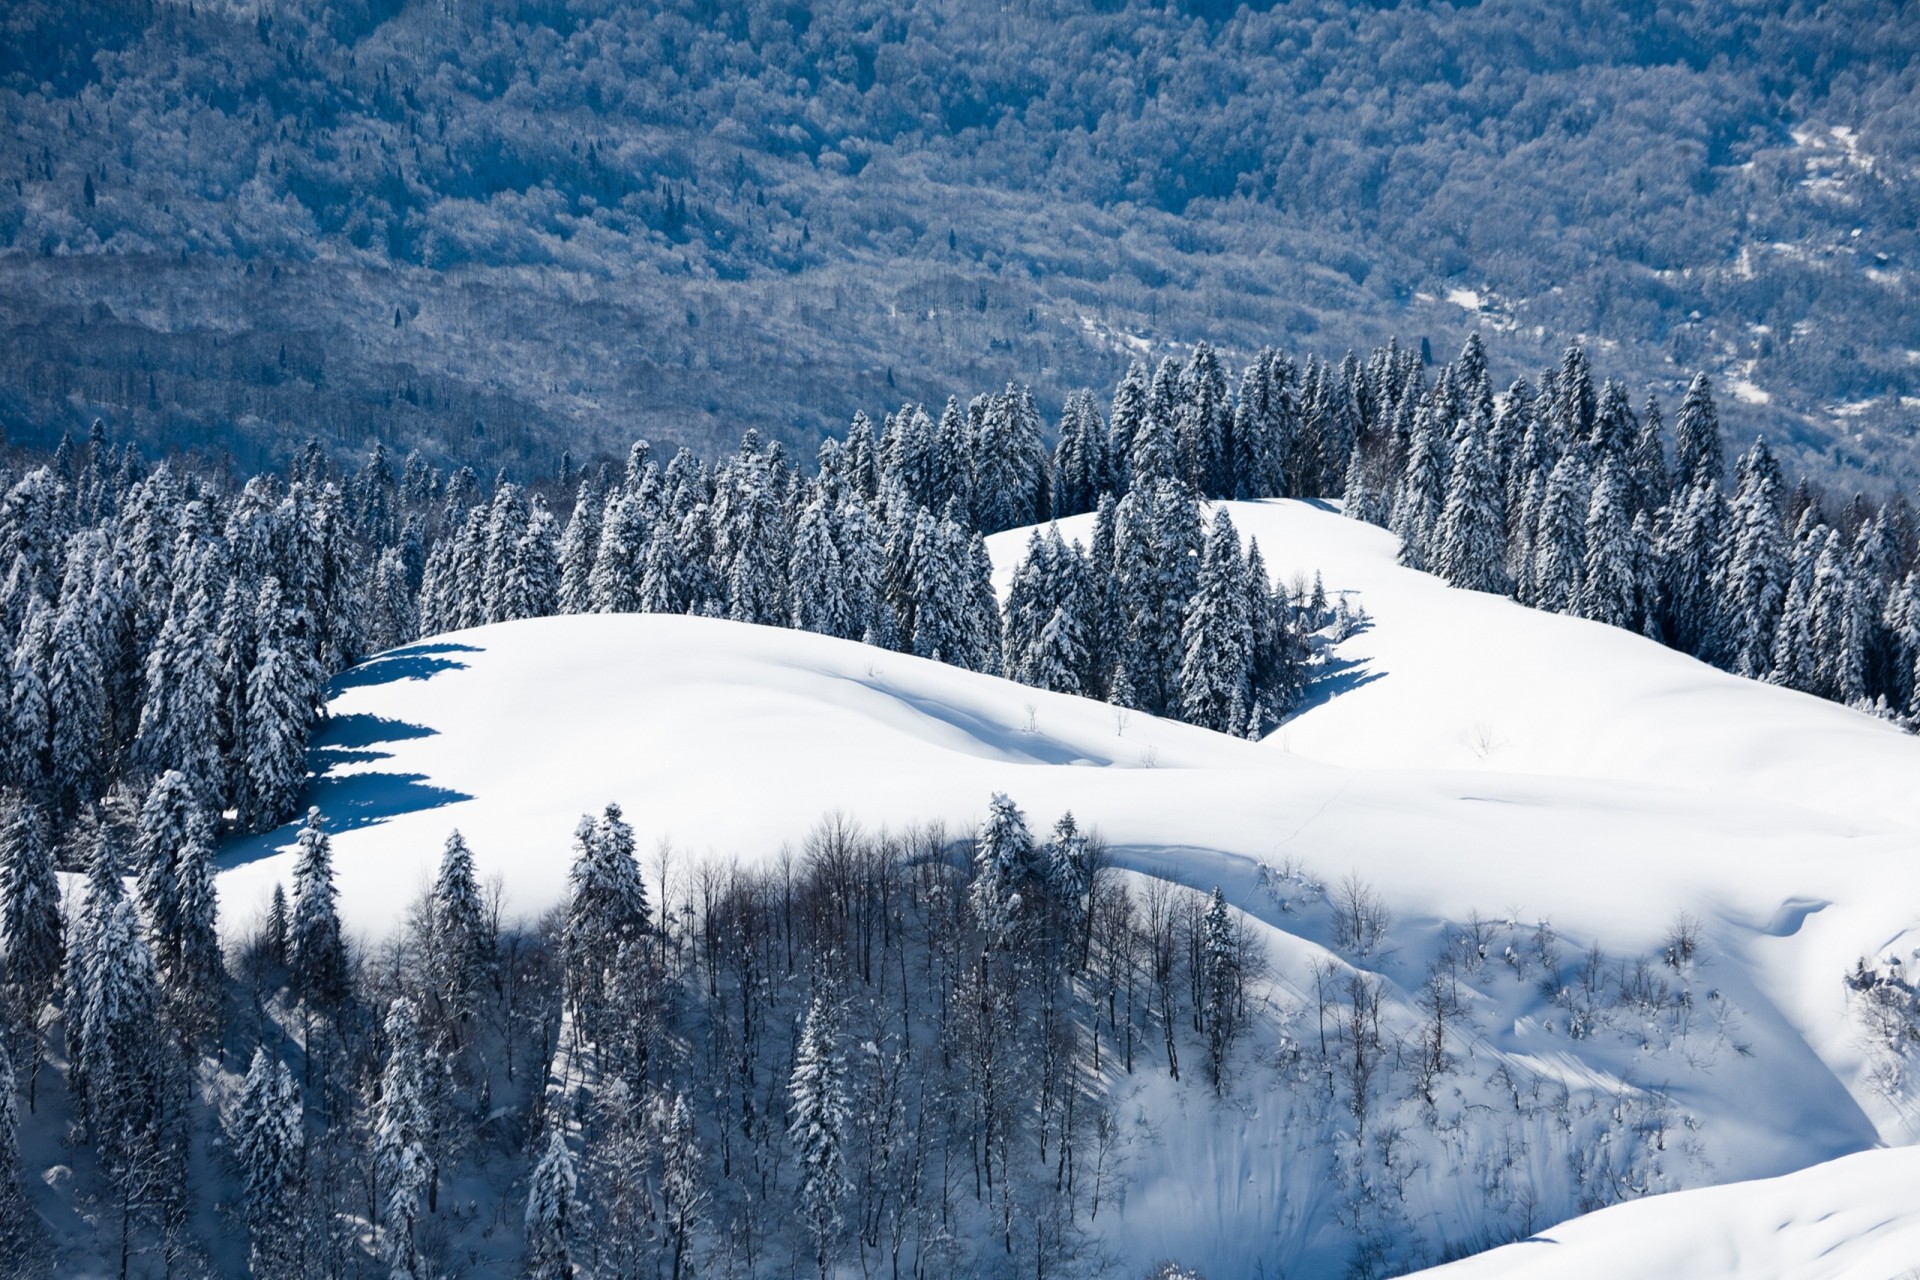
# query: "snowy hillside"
[[1851, 1219], [1482, 768]]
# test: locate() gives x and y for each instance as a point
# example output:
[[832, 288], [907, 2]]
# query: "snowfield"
[[1462, 755]]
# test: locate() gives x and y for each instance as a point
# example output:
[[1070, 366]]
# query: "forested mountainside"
[[491, 230]]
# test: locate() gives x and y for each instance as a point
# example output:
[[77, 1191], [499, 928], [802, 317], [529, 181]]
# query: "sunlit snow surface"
[[1463, 754]]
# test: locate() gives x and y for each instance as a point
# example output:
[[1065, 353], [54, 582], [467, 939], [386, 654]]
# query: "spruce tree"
[[1608, 590], [1755, 584], [316, 952], [32, 931], [1471, 538], [112, 1009], [1698, 456], [280, 698], [269, 1140], [820, 1111], [460, 958], [1006, 873], [402, 1131], [1220, 986], [817, 578], [1559, 541], [1421, 500], [1217, 666], [606, 910], [555, 1217]]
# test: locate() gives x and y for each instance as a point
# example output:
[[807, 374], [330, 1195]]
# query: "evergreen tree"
[[1608, 591], [269, 1140], [1124, 420], [1755, 586], [29, 745], [32, 931], [280, 697], [555, 1216], [112, 1009], [177, 901], [818, 580], [316, 952], [1691, 559], [1840, 625], [402, 1130], [1698, 457], [1471, 537], [1217, 667], [460, 957], [1559, 542], [1006, 873], [76, 692], [606, 910], [1201, 425], [1220, 986], [820, 1110], [1421, 500], [579, 547]]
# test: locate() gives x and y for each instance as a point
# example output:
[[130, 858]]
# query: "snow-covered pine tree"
[[818, 580], [1690, 556], [460, 957], [1698, 456], [613, 584], [1128, 411], [180, 717], [820, 1110], [1201, 424], [112, 1009], [1559, 541], [1608, 591], [579, 547], [1422, 495], [606, 909], [1471, 539], [1217, 664], [1221, 986], [32, 932], [281, 690], [1754, 586], [402, 1130], [1279, 654], [1840, 625], [76, 686], [1651, 485], [176, 892], [556, 1218], [392, 618], [1006, 873], [29, 744], [269, 1140], [316, 952]]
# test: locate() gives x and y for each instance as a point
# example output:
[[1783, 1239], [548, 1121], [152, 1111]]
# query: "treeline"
[[1563, 496]]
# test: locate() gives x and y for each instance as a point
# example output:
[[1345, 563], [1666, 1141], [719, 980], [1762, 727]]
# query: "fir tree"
[[1471, 537], [1005, 873], [1217, 666], [32, 931], [1421, 500], [1698, 457], [1559, 542], [606, 910], [177, 901], [460, 957], [1756, 573], [1220, 986], [820, 1110], [316, 953], [555, 1216], [818, 580], [112, 1009], [269, 1139], [280, 695], [1608, 591], [402, 1130]]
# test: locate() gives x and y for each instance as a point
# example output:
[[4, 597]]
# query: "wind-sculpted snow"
[[1538, 798]]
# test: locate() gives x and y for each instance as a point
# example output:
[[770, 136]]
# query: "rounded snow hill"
[[1463, 755], [1855, 1218], [1451, 679]]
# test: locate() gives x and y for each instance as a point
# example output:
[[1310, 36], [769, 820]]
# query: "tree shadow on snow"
[[415, 662], [1338, 676], [348, 803]]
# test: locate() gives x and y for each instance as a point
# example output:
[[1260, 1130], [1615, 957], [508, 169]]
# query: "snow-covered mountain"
[[1652, 879]]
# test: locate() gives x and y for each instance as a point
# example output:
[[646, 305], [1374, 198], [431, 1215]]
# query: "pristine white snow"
[[1465, 755], [1850, 1219]]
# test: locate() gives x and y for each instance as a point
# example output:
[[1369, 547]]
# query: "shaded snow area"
[[1626, 889]]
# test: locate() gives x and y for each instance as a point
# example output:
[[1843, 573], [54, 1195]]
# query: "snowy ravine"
[[1479, 768]]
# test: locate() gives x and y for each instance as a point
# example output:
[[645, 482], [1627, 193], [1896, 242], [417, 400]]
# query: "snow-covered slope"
[[1850, 1219], [1449, 679], [1467, 757]]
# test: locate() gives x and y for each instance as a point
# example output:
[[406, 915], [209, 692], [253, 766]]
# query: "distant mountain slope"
[[731, 741], [497, 230]]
